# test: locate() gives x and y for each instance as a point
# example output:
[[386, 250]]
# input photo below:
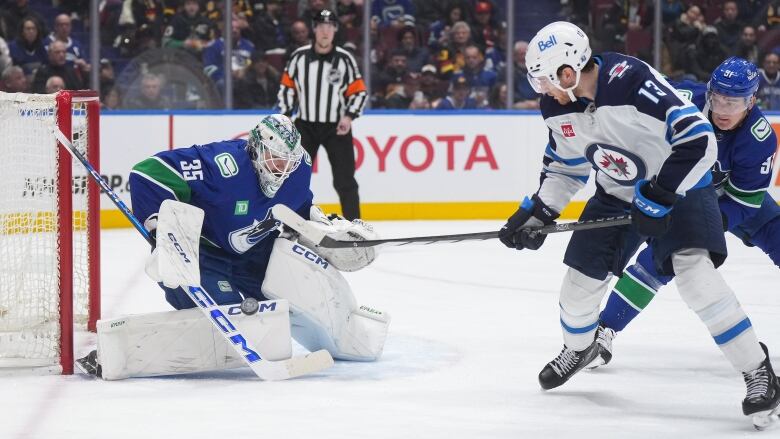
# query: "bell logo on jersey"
[[621, 165], [543, 45], [567, 129]]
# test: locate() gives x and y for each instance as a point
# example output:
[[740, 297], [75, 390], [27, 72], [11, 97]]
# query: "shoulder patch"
[[761, 129], [227, 164], [687, 94]]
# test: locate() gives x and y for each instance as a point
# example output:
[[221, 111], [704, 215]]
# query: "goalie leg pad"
[[179, 342], [325, 314]]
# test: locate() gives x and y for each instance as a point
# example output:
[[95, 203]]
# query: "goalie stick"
[[320, 238], [264, 369]]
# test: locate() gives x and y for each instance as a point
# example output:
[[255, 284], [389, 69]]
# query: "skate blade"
[[596, 363], [767, 419]]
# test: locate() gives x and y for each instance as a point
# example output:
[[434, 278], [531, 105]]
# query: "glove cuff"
[[541, 211]]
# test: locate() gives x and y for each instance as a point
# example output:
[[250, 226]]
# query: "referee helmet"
[[325, 16]]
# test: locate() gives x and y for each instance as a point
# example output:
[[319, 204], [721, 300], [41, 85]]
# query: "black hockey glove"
[[532, 213], [651, 207]]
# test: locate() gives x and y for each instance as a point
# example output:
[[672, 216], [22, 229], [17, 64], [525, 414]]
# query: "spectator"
[[426, 12], [416, 56], [110, 99], [769, 86], [526, 97], [349, 15], [54, 84], [107, 76], [214, 56], [480, 80], [450, 59], [671, 10], [5, 55], [495, 57], [498, 97], [483, 29], [396, 13], [14, 80], [433, 90], [269, 27], [299, 37], [57, 66], [151, 96], [400, 95], [189, 29], [440, 29], [259, 85], [459, 98], [702, 58], [747, 47], [393, 73], [75, 53], [729, 27], [768, 17], [13, 13], [685, 32], [27, 49]]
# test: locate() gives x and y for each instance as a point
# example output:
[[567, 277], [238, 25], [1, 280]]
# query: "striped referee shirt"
[[324, 86]]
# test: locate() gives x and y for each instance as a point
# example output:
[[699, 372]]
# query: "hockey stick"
[[320, 238], [264, 369]]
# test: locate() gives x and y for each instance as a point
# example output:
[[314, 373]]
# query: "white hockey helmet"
[[555, 45], [274, 146]]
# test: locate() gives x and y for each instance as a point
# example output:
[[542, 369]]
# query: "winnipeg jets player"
[[236, 183], [652, 151], [742, 174]]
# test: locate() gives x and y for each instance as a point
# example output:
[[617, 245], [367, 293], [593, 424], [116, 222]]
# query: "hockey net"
[[49, 228]]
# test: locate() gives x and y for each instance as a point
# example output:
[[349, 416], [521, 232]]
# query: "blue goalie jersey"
[[219, 178]]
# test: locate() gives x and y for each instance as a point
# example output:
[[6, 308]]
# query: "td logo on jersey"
[[621, 165]]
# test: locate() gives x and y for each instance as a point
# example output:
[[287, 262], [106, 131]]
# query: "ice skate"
[[762, 401], [89, 365], [604, 337], [566, 364]]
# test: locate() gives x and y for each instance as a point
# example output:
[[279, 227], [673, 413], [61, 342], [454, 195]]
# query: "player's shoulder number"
[[651, 91]]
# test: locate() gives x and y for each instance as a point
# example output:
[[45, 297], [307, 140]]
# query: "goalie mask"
[[274, 146]]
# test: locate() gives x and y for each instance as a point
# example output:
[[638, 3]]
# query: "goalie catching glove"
[[336, 227]]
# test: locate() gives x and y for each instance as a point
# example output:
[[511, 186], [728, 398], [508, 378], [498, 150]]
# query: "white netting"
[[29, 243]]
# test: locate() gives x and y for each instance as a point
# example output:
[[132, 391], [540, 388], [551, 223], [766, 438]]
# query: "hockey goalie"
[[219, 196]]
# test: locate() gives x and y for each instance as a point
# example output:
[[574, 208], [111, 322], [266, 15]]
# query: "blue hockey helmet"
[[734, 77], [733, 82]]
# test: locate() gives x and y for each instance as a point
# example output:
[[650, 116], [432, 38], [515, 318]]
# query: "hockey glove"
[[532, 213], [651, 207]]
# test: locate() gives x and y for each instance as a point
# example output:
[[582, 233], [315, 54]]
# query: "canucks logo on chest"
[[719, 175], [622, 166], [245, 238]]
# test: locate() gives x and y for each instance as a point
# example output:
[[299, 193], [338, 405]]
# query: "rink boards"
[[463, 165]]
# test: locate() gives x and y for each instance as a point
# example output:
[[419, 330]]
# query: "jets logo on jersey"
[[245, 238], [618, 70], [567, 129], [619, 164]]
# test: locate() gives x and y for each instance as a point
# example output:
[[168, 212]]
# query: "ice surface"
[[473, 323]]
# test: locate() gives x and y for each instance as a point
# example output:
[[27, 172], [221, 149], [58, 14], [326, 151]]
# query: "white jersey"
[[638, 127]]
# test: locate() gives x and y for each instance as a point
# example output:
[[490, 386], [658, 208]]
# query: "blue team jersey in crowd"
[[219, 178], [743, 172]]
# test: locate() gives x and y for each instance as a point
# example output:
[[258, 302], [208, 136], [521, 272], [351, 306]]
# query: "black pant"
[[342, 161]]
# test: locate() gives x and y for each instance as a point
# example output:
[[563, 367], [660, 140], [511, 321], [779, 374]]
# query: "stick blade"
[[310, 363]]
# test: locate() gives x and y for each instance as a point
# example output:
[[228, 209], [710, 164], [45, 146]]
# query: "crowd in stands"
[[424, 54]]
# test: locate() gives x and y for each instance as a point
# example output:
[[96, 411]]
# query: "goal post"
[[49, 229]]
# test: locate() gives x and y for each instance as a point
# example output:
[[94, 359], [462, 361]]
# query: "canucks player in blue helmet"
[[741, 175], [652, 151], [241, 255]]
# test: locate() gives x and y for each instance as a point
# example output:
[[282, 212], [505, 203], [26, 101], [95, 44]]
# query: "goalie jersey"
[[743, 171], [219, 178], [637, 127]]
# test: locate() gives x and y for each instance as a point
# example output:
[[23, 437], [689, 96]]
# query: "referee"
[[323, 82]]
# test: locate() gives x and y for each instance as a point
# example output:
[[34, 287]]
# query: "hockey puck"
[[249, 306]]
